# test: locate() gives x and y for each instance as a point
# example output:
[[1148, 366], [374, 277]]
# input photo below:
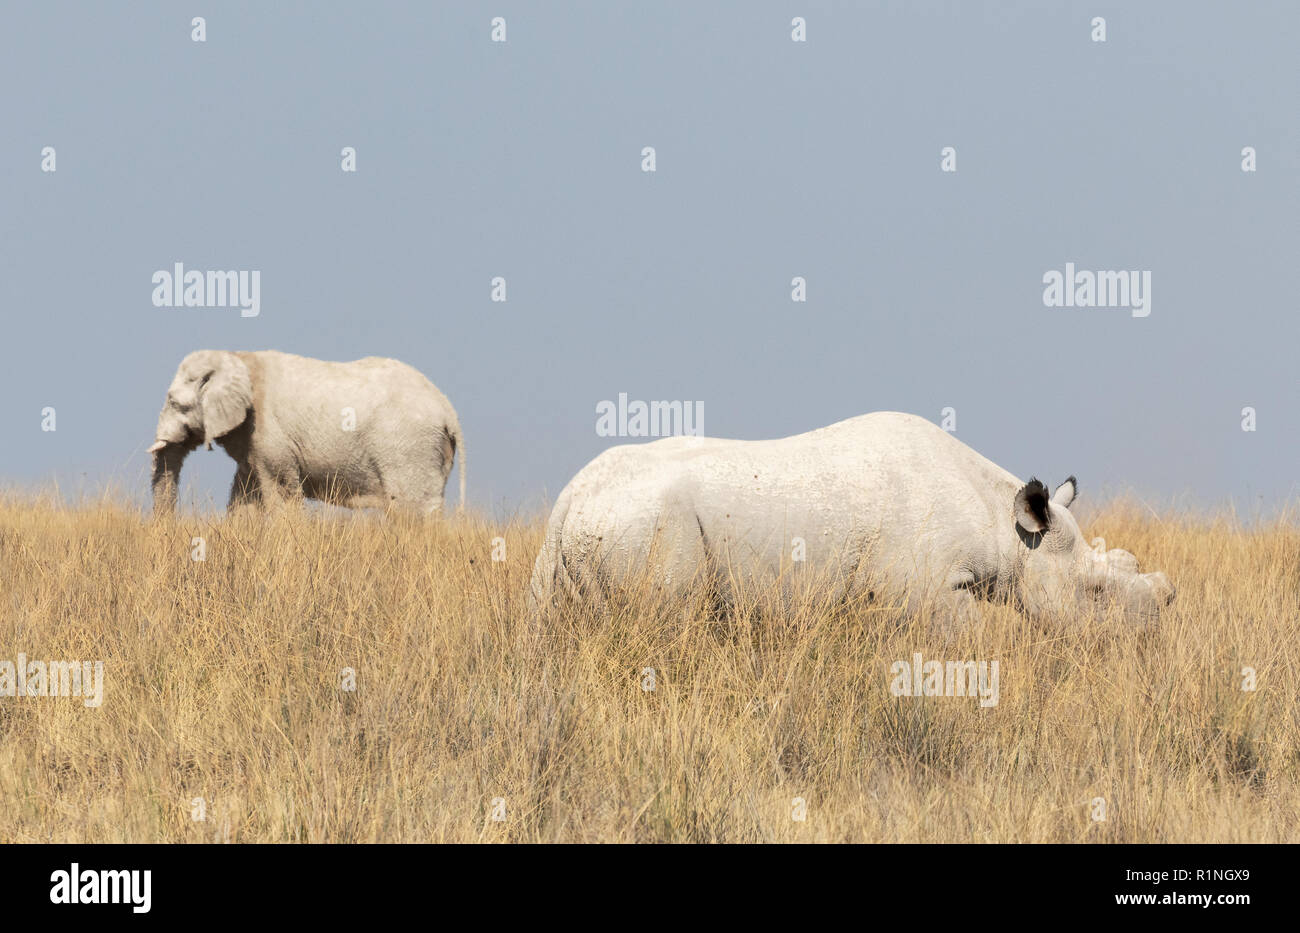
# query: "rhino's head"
[[1059, 571]]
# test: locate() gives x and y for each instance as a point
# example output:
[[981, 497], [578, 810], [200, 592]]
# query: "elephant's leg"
[[369, 502], [274, 494], [414, 504], [244, 489], [392, 498], [416, 487]]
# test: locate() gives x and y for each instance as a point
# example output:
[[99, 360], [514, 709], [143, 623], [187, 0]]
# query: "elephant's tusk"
[[157, 446]]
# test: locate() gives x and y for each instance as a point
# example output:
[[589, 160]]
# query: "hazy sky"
[[774, 159]]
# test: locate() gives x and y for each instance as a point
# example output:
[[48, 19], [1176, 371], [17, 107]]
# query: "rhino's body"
[[885, 503]]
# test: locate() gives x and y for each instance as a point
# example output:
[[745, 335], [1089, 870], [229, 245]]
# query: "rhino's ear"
[[1031, 507], [1066, 492]]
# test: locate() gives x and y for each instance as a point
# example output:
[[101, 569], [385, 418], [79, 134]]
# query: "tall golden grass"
[[224, 682]]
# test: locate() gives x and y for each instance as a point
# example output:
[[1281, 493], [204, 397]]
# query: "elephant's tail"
[[460, 453]]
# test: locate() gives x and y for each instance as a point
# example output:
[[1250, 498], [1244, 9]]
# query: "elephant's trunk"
[[167, 459]]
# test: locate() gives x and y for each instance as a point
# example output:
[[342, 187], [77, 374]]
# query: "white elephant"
[[883, 506], [372, 433]]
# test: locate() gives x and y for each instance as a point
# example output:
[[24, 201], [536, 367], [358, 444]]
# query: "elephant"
[[887, 505], [372, 433]]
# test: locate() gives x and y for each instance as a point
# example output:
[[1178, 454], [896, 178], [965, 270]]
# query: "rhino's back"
[[887, 488], [882, 453]]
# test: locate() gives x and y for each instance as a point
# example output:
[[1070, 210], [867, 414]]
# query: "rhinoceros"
[[887, 505]]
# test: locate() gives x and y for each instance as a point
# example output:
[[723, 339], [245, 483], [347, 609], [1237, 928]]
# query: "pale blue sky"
[[775, 159]]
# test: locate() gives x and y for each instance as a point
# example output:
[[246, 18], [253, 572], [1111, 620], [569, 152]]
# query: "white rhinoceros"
[[886, 505]]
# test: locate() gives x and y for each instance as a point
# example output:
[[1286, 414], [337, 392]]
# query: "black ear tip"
[[1036, 498], [1073, 482]]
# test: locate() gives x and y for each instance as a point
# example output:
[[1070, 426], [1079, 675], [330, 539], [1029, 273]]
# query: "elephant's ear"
[[227, 395]]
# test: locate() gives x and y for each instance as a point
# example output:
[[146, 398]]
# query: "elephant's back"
[[406, 382], [370, 376]]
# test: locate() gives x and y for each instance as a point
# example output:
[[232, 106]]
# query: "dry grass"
[[223, 682]]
